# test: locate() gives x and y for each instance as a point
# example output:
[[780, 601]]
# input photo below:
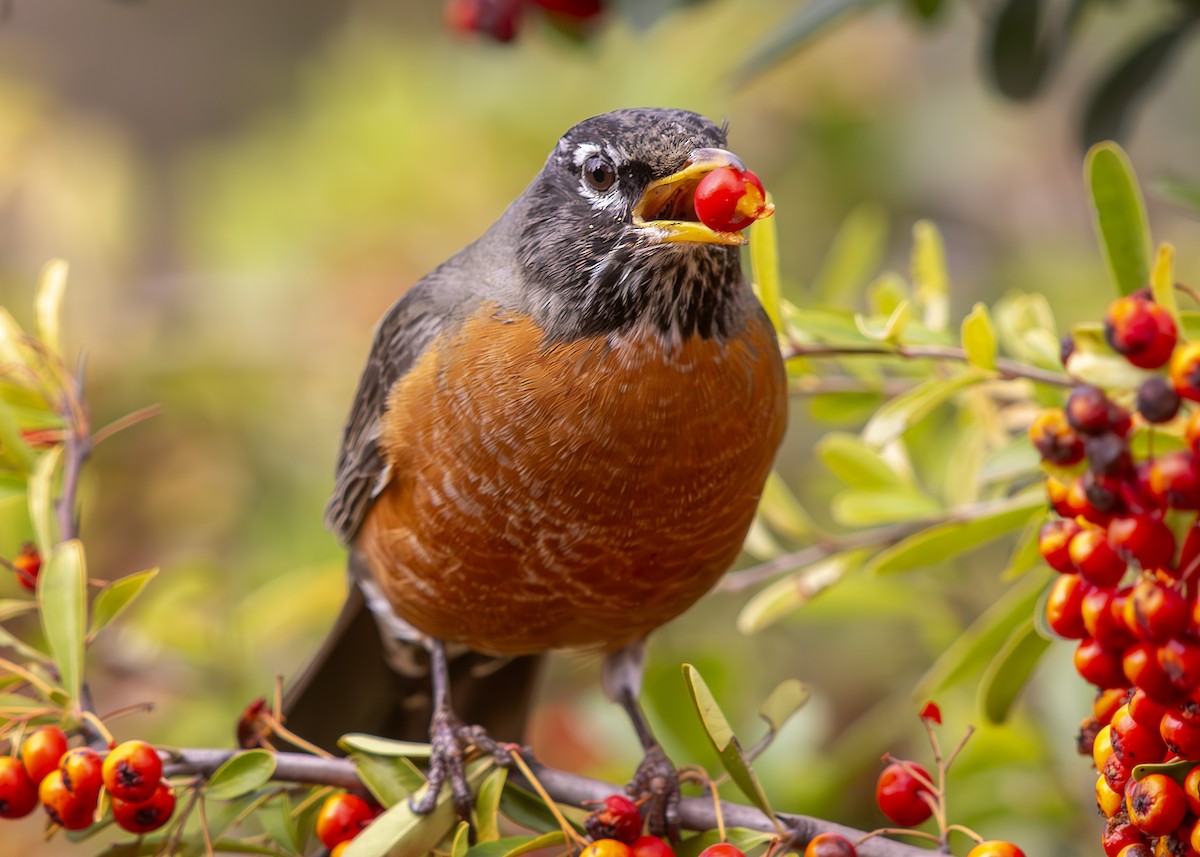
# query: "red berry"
[[607, 848], [150, 814], [1191, 790], [901, 796], [1119, 833], [1144, 538], [650, 846], [1054, 439], [42, 751], [1097, 560], [1141, 330], [581, 9], [995, 848], [1107, 702], [727, 200], [131, 771], [1064, 607], [830, 845], [1133, 743], [1180, 734], [1145, 710], [1104, 617], [1174, 479], [1138, 849], [81, 769], [1054, 541], [1144, 669], [1155, 804], [341, 818], [18, 793], [1180, 660], [72, 810], [1116, 774], [1185, 371], [1156, 610], [1100, 667], [618, 819], [26, 564], [722, 849]]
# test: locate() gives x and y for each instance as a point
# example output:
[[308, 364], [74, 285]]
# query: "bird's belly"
[[570, 495]]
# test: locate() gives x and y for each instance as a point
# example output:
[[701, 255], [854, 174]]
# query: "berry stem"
[[551, 805]]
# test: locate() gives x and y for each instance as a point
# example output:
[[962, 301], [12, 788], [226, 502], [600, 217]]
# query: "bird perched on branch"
[[559, 440]]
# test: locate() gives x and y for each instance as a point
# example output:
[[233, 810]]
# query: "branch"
[[696, 813], [1007, 369]]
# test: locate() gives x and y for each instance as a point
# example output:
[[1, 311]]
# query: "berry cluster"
[[67, 783], [341, 818], [1126, 589], [499, 19], [616, 831]]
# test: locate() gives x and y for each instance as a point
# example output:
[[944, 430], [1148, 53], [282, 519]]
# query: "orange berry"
[[341, 818], [71, 810], [995, 848], [147, 815], [1156, 804], [81, 769], [830, 845], [18, 793], [131, 771], [42, 751], [607, 848]]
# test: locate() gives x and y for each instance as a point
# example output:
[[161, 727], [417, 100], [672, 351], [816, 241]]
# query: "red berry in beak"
[[727, 200]]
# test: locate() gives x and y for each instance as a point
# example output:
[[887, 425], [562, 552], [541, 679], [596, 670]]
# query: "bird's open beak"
[[667, 209]]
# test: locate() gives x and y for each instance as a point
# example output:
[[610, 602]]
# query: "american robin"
[[561, 434]]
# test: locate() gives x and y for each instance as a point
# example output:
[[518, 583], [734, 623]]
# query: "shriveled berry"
[[619, 818], [1155, 804], [1054, 439], [1120, 833], [72, 810], [26, 565], [995, 848], [131, 771], [901, 796], [727, 200], [147, 815], [1108, 454], [1157, 399], [650, 846], [341, 818], [42, 750], [18, 793], [1141, 330], [253, 729], [1185, 370], [830, 845], [81, 772]]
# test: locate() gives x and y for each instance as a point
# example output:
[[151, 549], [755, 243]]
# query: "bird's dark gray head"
[[609, 235]]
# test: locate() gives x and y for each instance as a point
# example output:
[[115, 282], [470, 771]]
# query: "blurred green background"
[[242, 189]]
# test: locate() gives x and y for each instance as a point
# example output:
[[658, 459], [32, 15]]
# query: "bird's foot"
[[451, 739], [657, 781]]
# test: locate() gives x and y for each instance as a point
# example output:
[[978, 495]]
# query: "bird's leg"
[[656, 778], [449, 738]]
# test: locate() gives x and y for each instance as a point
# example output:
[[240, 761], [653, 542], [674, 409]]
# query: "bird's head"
[[610, 236]]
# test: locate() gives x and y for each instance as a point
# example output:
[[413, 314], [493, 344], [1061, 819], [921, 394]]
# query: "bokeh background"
[[243, 188]]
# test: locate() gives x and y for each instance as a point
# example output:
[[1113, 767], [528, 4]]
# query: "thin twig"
[[127, 421]]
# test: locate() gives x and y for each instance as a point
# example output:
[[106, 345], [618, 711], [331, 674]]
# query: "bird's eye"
[[599, 174]]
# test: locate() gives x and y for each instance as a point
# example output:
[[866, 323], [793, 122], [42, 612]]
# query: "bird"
[[558, 442]]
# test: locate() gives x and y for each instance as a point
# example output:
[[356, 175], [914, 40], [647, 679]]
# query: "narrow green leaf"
[[1120, 216], [764, 267], [1177, 770], [929, 275], [41, 500], [62, 596], [377, 746], [48, 304], [788, 594], [892, 327], [943, 541], [789, 696], [1178, 191], [14, 705], [527, 810], [1026, 555], [1162, 279], [782, 510], [854, 256], [851, 460], [487, 805], [26, 650], [894, 418], [979, 338], [513, 846], [10, 607], [792, 34], [724, 741], [552, 839], [864, 508], [241, 774], [462, 840], [968, 654], [114, 598], [399, 832], [276, 818], [1009, 671], [386, 777]]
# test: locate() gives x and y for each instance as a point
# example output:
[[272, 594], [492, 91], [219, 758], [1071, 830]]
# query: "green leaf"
[[513, 846], [388, 778], [527, 809], [894, 418], [276, 818], [377, 746], [1017, 59], [10, 640], [48, 304], [764, 267], [1162, 279], [1010, 670], [851, 460], [1094, 362], [782, 510], [41, 500], [927, 10], [865, 508], [114, 598], [462, 840], [789, 696], [973, 649], [854, 256], [487, 805], [1120, 216], [792, 34], [399, 832], [12, 444], [1179, 192], [892, 327], [10, 607], [1125, 86], [241, 774], [716, 726], [788, 594], [1177, 770], [979, 338], [943, 541], [930, 277], [62, 596], [1026, 555]]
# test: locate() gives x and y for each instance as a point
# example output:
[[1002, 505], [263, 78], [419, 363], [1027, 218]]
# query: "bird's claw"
[[657, 780], [450, 739]]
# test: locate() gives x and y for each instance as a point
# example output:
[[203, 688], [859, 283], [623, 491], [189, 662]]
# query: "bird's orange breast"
[[569, 495]]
